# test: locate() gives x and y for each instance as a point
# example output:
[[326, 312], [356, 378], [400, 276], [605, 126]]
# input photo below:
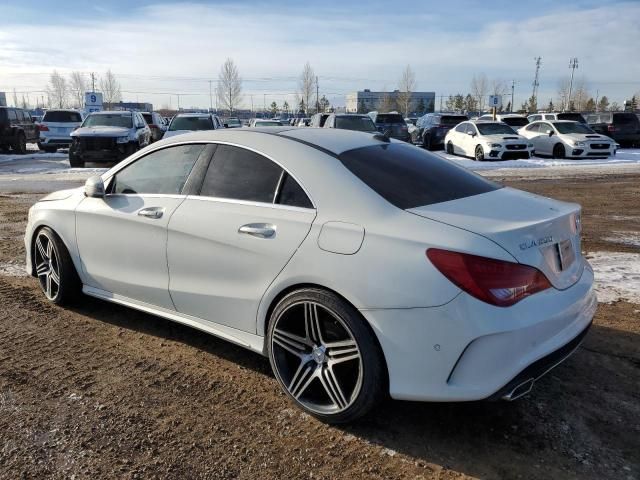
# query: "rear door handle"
[[151, 212], [259, 230]]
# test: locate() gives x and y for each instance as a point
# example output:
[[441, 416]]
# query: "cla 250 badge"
[[536, 243]]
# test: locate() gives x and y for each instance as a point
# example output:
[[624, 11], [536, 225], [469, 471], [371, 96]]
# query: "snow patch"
[[12, 270], [631, 239], [617, 276]]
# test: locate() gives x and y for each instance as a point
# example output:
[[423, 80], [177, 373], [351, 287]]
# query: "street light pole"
[[210, 97], [573, 64]]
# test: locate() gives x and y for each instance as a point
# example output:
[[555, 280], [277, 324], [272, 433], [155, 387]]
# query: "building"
[[134, 106], [367, 101]]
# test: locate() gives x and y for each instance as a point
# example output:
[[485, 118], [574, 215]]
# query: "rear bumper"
[[469, 350]]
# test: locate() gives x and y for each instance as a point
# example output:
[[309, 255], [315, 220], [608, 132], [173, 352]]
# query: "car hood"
[[173, 133], [61, 194], [504, 138], [100, 132], [530, 227], [584, 137]]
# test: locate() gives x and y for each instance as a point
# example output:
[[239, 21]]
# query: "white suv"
[[56, 127]]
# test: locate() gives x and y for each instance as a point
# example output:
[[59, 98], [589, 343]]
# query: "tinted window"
[[534, 127], [148, 118], [461, 128], [576, 117], [624, 118], [515, 121], [241, 175], [361, 124], [452, 119], [267, 123], [3, 114], [389, 118], [494, 129], [164, 171], [191, 123], [573, 127], [409, 177], [24, 115], [13, 115], [60, 116], [291, 193], [108, 120]]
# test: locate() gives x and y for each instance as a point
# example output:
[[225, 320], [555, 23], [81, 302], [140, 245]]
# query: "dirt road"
[[101, 391]]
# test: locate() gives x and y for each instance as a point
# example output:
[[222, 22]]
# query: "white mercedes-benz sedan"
[[487, 140], [361, 266], [567, 139]]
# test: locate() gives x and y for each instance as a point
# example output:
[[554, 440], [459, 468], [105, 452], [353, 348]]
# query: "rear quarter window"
[[409, 177]]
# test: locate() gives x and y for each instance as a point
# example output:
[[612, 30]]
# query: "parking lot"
[[100, 390]]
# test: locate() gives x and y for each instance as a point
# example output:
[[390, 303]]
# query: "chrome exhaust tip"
[[519, 391]]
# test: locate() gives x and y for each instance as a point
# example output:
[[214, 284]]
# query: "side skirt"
[[233, 335]]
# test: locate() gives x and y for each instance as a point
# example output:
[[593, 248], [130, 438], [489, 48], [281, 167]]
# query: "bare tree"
[[563, 93], [78, 87], [229, 87], [387, 102], [307, 86], [57, 90], [479, 88], [580, 95], [406, 88], [110, 88]]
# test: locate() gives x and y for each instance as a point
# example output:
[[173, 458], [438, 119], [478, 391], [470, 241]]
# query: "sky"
[[166, 52]]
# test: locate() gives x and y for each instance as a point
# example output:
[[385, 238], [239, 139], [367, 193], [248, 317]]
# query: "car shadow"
[[571, 418]]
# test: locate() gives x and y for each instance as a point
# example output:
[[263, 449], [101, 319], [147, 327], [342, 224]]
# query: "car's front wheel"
[[54, 268], [324, 356], [20, 145], [558, 151], [479, 154]]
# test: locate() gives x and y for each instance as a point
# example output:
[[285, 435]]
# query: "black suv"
[[391, 125], [623, 127], [16, 129], [432, 128]]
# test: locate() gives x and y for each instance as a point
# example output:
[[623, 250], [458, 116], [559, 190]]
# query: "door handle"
[[259, 230], [151, 212]]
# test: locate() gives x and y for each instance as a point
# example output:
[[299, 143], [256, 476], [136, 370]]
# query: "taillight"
[[153, 125], [43, 128], [611, 128], [493, 281]]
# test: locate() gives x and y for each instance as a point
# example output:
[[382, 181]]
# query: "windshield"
[[233, 121], [576, 117], [108, 120], [360, 124], [409, 177], [389, 118], [573, 127], [515, 121], [148, 118], [494, 129], [61, 116], [268, 124], [191, 123], [451, 120], [624, 118]]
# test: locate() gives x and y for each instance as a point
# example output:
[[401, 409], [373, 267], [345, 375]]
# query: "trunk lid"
[[535, 230]]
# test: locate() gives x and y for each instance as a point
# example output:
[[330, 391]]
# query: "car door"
[[470, 140], [30, 129], [457, 137], [544, 142], [122, 237], [227, 244]]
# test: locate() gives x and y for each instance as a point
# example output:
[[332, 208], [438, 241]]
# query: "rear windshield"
[[108, 120], [268, 124], [191, 123], [494, 129], [389, 118], [409, 177], [576, 117], [148, 118], [62, 117], [361, 124], [576, 127], [515, 121], [624, 118], [452, 120]]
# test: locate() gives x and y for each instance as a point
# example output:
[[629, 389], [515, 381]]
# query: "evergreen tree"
[[551, 108], [532, 106], [273, 108], [302, 107], [285, 106], [590, 106], [449, 104], [458, 102], [470, 103], [362, 108], [603, 104], [421, 107], [324, 104]]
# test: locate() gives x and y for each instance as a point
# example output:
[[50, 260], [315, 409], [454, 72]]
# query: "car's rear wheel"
[[558, 151], [479, 154], [54, 268], [20, 145], [324, 356]]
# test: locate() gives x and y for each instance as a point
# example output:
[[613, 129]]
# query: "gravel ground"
[[101, 391]]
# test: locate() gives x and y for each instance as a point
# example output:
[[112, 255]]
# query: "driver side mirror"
[[550, 133], [471, 134], [94, 187]]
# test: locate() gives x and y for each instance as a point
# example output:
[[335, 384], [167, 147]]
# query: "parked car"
[[567, 139], [350, 121], [318, 120], [411, 120], [573, 116], [303, 122], [361, 267], [156, 125], [56, 127], [263, 122], [480, 140], [108, 136], [16, 130], [623, 127], [232, 122], [391, 124], [433, 127], [190, 122], [512, 119]]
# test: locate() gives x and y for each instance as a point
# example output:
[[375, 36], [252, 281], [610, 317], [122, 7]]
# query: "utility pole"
[[317, 95], [264, 104], [93, 82], [210, 97], [513, 87], [536, 84], [597, 95], [573, 64]]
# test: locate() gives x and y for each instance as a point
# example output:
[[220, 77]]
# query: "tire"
[[449, 148], [427, 142], [334, 383], [479, 154], [54, 268], [74, 160], [20, 145], [558, 151]]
